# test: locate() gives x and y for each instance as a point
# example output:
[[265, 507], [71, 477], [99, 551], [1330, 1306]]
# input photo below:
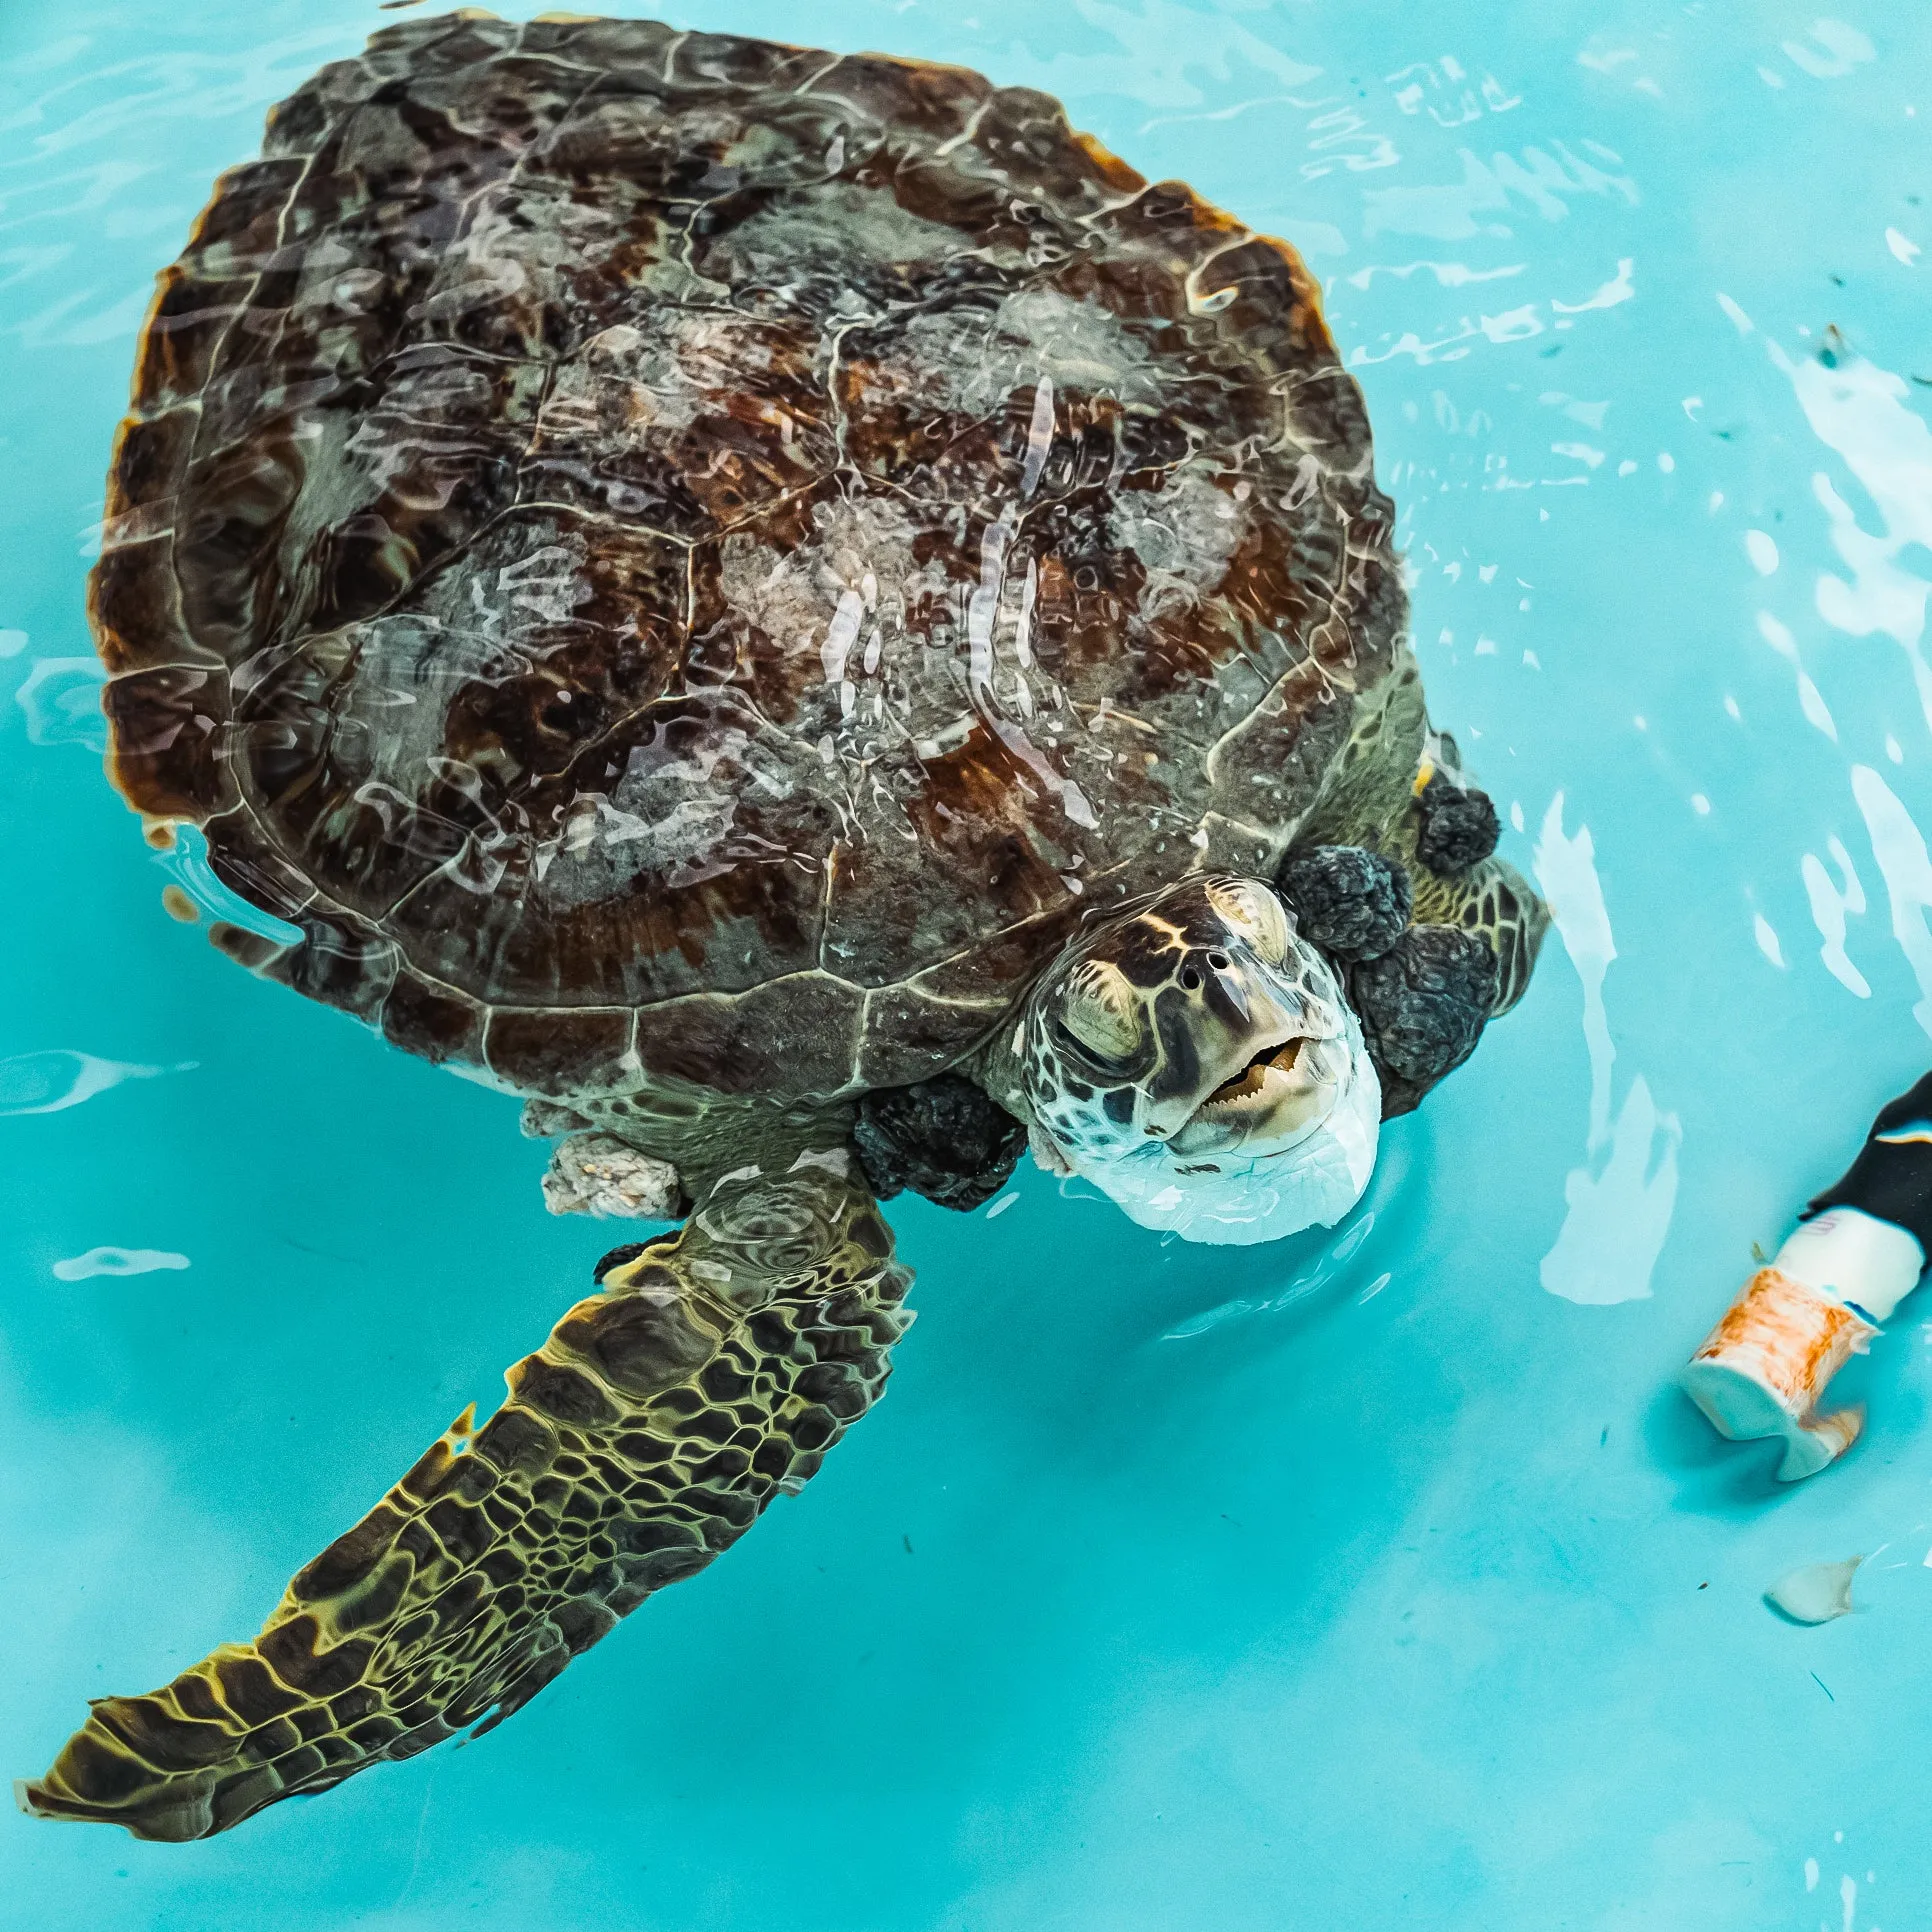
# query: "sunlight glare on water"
[[1378, 1579]]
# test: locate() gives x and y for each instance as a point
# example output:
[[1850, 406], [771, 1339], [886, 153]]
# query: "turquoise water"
[[1381, 1581]]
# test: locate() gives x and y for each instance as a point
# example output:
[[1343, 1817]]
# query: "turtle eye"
[[1255, 913], [1099, 1008]]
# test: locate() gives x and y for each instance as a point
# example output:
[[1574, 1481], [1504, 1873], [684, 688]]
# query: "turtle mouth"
[[1280, 1095], [1252, 1082]]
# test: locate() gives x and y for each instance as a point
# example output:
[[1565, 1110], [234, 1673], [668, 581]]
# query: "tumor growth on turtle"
[[795, 612]]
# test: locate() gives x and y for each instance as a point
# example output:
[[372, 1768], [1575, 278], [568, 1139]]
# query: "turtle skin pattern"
[[674, 560], [646, 1436]]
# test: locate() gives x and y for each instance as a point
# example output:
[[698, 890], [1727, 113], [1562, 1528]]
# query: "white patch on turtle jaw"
[[1266, 1187]]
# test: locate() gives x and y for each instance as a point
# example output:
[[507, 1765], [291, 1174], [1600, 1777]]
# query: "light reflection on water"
[[1171, 1586]]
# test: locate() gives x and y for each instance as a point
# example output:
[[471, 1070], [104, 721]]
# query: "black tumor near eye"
[[1455, 828], [1349, 901]]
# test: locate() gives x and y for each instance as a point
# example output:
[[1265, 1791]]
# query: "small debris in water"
[[60, 1077], [1817, 1593], [116, 1261], [179, 905], [62, 700]]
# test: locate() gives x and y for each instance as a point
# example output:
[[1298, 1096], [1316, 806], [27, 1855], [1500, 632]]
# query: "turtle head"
[[1195, 1059]]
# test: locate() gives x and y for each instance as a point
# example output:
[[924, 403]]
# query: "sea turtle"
[[797, 613]]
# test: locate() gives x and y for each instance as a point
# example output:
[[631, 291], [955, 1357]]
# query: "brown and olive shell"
[[670, 557]]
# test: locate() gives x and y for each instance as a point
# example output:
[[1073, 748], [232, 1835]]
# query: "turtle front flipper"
[[713, 1370]]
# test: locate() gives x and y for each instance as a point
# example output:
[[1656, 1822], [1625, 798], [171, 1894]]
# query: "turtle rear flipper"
[[712, 1371]]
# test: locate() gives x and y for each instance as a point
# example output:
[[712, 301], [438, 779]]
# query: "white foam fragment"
[[1039, 437], [117, 1261], [61, 1077], [1845, 47], [62, 699], [1829, 906], [1817, 1593], [1811, 700], [841, 635], [1565, 867], [1617, 289]]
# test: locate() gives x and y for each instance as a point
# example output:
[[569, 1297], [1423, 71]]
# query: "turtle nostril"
[[1219, 961], [1191, 978]]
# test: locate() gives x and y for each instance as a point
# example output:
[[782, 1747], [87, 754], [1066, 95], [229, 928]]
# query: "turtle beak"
[[1251, 1060], [1283, 1094]]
